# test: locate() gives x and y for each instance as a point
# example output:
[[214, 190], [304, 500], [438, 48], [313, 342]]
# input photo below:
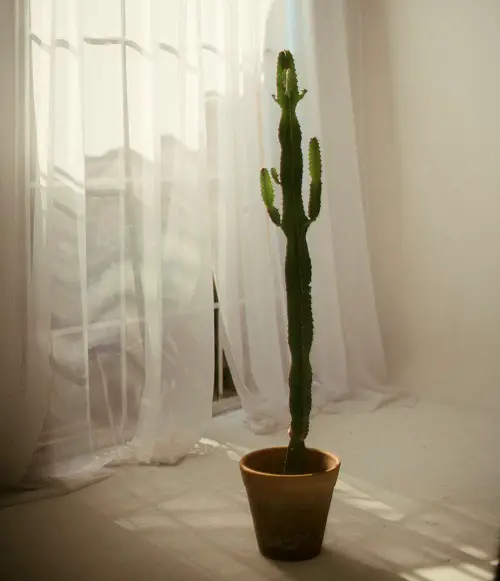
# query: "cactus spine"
[[294, 222]]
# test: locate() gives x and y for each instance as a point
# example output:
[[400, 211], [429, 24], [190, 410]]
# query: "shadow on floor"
[[334, 565]]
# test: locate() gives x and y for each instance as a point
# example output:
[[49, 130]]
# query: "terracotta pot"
[[289, 512]]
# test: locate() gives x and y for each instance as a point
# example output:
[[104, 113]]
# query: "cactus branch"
[[298, 272], [267, 191], [315, 174], [302, 94], [276, 178]]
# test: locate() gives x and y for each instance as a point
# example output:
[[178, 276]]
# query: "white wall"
[[431, 128]]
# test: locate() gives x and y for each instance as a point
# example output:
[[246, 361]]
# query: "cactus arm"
[[315, 175], [302, 94], [267, 191], [276, 178]]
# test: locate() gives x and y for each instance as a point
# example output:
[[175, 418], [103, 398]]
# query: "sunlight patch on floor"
[[448, 573], [358, 499], [473, 552]]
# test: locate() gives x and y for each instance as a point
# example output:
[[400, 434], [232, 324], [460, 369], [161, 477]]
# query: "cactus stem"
[[294, 223]]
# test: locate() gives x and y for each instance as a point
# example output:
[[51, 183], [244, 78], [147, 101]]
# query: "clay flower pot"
[[289, 512]]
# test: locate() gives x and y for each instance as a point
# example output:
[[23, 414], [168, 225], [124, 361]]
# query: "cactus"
[[294, 222]]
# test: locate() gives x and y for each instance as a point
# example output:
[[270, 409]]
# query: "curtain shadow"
[[334, 564]]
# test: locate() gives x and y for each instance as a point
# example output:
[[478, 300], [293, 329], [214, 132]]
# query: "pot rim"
[[248, 470]]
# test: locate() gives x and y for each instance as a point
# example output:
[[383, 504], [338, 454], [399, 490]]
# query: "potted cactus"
[[290, 488]]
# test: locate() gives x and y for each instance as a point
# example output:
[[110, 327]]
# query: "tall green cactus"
[[295, 223]]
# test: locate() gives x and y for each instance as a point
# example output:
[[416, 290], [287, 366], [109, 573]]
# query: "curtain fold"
[[358, 354], [122, 272], [150, 122]]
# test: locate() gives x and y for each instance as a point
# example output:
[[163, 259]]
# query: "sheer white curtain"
[[121, 274], [149, 123]]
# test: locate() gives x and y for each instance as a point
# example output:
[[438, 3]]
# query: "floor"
[[418, 499]]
